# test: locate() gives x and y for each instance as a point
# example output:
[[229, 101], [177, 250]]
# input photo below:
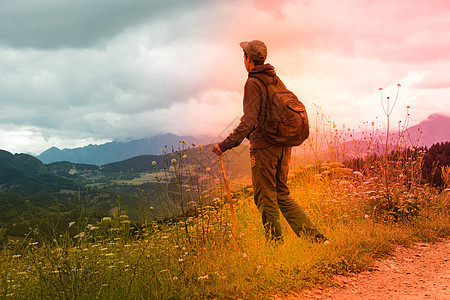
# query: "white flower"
[[89, 226], [366, 216], [203, 277], [357, 173]]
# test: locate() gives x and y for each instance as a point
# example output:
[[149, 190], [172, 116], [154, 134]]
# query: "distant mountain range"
[[434, 129], [118, 151]]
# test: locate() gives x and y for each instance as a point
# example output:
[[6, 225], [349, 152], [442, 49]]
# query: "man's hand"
[[216, 150]]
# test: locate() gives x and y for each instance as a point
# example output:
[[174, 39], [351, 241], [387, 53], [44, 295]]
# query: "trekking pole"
[[233, 216]]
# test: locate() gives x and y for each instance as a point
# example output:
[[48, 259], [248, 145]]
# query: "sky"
[[74, 73]]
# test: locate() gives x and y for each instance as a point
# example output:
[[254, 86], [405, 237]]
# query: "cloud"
[[85, 71], [51, 24]]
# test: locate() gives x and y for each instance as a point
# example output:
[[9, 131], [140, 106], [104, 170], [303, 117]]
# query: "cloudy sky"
[[80, 72]]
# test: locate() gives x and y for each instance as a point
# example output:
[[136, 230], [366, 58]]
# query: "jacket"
[[254, 93]]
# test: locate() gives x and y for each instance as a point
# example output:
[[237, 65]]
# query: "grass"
[[192, 255]]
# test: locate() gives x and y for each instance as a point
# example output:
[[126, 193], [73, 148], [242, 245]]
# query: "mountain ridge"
[[434, 129], [117, 151]]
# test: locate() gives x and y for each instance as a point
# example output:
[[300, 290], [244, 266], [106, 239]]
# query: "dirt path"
[[420, 272]]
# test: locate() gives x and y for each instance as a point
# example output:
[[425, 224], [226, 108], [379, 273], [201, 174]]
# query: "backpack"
[[283, 120]]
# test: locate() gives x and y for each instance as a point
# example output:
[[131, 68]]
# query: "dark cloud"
[[78, 24]]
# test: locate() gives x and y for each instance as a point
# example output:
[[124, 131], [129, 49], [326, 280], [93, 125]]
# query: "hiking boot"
[[320, 238]]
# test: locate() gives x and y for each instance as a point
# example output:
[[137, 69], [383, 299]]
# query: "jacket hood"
[[266, 69]]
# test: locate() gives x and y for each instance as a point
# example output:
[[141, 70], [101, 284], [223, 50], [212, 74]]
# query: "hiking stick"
[[233, 216]]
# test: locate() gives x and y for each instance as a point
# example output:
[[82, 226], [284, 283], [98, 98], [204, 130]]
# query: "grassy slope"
[[195, 258]]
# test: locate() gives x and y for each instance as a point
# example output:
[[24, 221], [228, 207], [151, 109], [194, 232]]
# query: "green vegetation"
[[89, 244], [192, 254]]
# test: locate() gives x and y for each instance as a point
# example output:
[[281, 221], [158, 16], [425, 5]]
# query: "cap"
[[255, 49]]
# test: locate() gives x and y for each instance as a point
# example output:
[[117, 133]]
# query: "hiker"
[[269, 162]]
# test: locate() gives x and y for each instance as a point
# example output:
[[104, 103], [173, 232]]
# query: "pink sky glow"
[[182, 71]]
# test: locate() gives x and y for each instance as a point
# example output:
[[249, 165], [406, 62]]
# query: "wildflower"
[[175, 278], [154, 163], [244, 255], [185, 156], [89, 226], [171, 169], [208, 169], [16, 256], [184, 142], [54, 241], [163, 150], [203, 278], [180, 260], [174, 160], [357, 173], [317, 177], [200, 146], [151, 207], [71, 224], [366, 216], [105, 219], [80, 235], [29, 268]]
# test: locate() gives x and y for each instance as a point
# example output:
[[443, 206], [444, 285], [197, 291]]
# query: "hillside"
[[434, 129], [24, 174]]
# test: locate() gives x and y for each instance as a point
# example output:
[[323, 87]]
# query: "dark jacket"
[[254, 93]]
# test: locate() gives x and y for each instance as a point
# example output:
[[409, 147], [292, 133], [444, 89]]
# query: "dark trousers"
[[270, 167]]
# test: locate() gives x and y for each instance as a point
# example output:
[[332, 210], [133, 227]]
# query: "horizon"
[[207, 137], [71, 79]]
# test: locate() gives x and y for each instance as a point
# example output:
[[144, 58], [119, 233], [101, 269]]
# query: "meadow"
[[364, 209]]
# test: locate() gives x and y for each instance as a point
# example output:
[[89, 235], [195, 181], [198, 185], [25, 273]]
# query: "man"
[[269, 163]]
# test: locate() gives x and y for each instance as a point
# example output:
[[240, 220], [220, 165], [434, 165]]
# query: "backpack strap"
[[265, 80]]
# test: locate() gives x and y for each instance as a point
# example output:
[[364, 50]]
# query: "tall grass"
[[191, 254]]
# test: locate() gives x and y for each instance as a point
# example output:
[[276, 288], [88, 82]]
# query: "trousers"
[[270, 167]]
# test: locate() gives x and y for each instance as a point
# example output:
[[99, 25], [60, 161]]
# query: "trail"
[[419, 272]]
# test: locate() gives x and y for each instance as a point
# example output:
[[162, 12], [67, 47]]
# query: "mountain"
[[433, 130], [25, 174], [118, 151]]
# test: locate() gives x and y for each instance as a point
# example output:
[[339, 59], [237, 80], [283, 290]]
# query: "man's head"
[[255, 52]]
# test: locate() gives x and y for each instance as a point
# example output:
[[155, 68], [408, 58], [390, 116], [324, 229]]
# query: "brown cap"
[[255, 49]]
